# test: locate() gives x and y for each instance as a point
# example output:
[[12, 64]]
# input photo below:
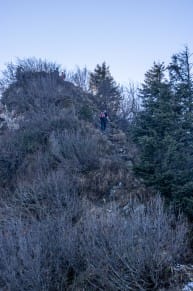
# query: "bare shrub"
[[37, 126], [39, 239], [31, 137], [48, 194], [81, 149], [10, 157], [130, 102], [99, 183], [135, 252], [101, 250], [31, 84], [38, 255], [129, 106], [80, 78]]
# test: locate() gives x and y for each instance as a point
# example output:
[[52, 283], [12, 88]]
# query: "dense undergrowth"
[[59, 228]]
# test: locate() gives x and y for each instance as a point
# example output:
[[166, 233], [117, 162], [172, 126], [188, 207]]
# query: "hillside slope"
[[73, 215], [60, 118]]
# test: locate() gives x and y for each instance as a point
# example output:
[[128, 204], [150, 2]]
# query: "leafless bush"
[[36, 91], [48, 195], [99, 183], [38, 255], [31, 138], [102, 250], [79, 78], [30, 84], [130, 102], [37, 126], [39, 240], [129, 105], [9, 159], [30, 65], [132, 253], [83, 150]]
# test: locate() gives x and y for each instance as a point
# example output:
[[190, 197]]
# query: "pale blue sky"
[[128, 34]]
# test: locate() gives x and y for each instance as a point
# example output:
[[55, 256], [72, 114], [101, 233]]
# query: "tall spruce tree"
[[104, 88], [181, 79], [163, 130], [153, 127]]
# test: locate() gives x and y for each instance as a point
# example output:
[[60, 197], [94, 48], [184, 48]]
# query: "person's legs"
[[105, 124], [102, 124]]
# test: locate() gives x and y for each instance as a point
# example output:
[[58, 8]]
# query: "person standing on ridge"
[[103, 119], [106, 115]]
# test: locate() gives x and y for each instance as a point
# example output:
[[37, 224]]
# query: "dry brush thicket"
[[55, 231]]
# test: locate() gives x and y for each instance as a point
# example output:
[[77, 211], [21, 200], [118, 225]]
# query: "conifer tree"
[[181, 79], [153, 127], [105, 89], [163, 130]]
